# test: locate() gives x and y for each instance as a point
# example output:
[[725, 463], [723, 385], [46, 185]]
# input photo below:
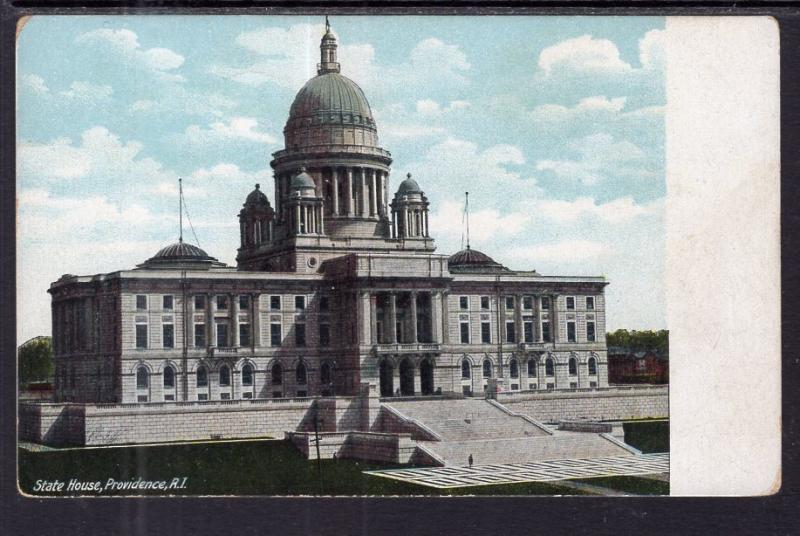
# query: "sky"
[[555, 126]]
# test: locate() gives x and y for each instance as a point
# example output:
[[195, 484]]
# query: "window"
[[300, 335], [571, 303], [590, 335], [484, 302], [301, 374], [222, 335], [509, 302], [325, 304], [168, 333], [167, 302], [527, 328], [275, 303], [486, 332], [570, 331], [224, 376], [573, 385], [546, 330], [549, 367], [513, 369], [527, 302], [463, 302], [244, 334], [141, 335], [487, 368], [199, 301], [244, 301], [325, 335], [141, 302], [141, 378], [465, 370], [511, 335], [531, 368], [545, 303], [222, 302], [464, 332], [200, 335], [169, 377], [247, 374], [202, 376], [592, 366], [275, 334], [325, 375], [300, 302], [277, 374], [590, 302], [573, 366]]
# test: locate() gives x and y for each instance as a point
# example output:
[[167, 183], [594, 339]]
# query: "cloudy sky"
[[554, 125]]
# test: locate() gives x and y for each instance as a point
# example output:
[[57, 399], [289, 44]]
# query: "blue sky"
[[555, 125]]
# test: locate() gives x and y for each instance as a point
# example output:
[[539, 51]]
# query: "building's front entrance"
[[406, 377], [426, 377], [387, 382]]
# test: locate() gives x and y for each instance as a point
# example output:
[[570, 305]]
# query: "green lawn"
[[648, 435]]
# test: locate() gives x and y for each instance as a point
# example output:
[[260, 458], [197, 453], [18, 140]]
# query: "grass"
[[634, 485], [648, 435]]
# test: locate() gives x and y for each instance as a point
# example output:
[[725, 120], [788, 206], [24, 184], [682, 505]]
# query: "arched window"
[[514, 368], [202, 376], [531, 368], [301, 374], [573, 366], [224, 375], [277, 374], [141, 378], [325, 374], [465, 370], [592, 366], [169, 377], [549, 367], [487, 368], [247, 374]]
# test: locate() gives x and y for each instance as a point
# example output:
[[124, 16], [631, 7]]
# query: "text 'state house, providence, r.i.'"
[[337, 285]]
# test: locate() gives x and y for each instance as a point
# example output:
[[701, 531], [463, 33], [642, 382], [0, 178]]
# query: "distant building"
[[625, 366]]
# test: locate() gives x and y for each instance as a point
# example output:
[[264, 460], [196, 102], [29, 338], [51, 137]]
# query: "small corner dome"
[[472, 260], [302, 181], [409, 186], [180, 254], [257, 197]]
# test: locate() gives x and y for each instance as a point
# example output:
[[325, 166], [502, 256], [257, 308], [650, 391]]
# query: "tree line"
[[635, 341]]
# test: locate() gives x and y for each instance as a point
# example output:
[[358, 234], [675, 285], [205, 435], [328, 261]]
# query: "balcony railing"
[[534, 346], [413, 347], [223, 351]]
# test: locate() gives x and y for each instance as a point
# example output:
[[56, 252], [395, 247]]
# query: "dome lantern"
[[327, 50]]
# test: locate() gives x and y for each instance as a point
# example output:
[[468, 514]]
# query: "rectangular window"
[[527, 302], [484, 302], [463, 302], [464, 332], [573, 385], [300, 302], [325, 335], [199, 301], [141, 335], [222, 302], [202, 396], [546, 331], [545, 303], [509, 302], [590, 335], [324, 304], [167, 302], [527, 325], [247, 394], [224, 396], [590, 302], [141, 302], [275, 336], [244, 302], [570, 331], [168, 335], [275, 303], [571, 303], [141, 398], [486, 332], [511, 335], [200, 335], [222, 335], [244, 334], [169, 398], [300, 335]]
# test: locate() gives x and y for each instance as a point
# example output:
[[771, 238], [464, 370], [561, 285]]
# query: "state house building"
[[336, 284]]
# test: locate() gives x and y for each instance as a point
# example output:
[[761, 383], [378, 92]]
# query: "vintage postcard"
[[368, 255]]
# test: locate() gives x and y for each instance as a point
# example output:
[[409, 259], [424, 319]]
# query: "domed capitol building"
[[337, 284]]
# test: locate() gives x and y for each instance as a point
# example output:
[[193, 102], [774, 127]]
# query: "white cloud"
[[159, 61], [622, 210], [484, 224], [88, 92], [582, 54], [35, 83], [225, 171], [428, 107], [236, 129], [181, 100], [588, 105], [652, 49], [570, 251], [600, 157]]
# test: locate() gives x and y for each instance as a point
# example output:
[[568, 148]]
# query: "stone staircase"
[[494, 435]]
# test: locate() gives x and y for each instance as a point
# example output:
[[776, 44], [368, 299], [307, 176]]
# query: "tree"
[[35, 361], [634, 341]]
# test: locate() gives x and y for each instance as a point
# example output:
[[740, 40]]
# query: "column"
[[255, 323], [210, 308], [364, 193], [350, 201], [379, 192], [392, 318], [321, 220], [297, 219], [414, 338], [426, 224], [335, 180], [373, 318], [436, 316], [554, 335], [373, 194], [277, 196], [417, 381], [234, 309], [445, 319], [188, 322], [396, 378], [518, 317]]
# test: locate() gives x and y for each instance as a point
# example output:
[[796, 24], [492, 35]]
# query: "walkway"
[[542, 471]]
